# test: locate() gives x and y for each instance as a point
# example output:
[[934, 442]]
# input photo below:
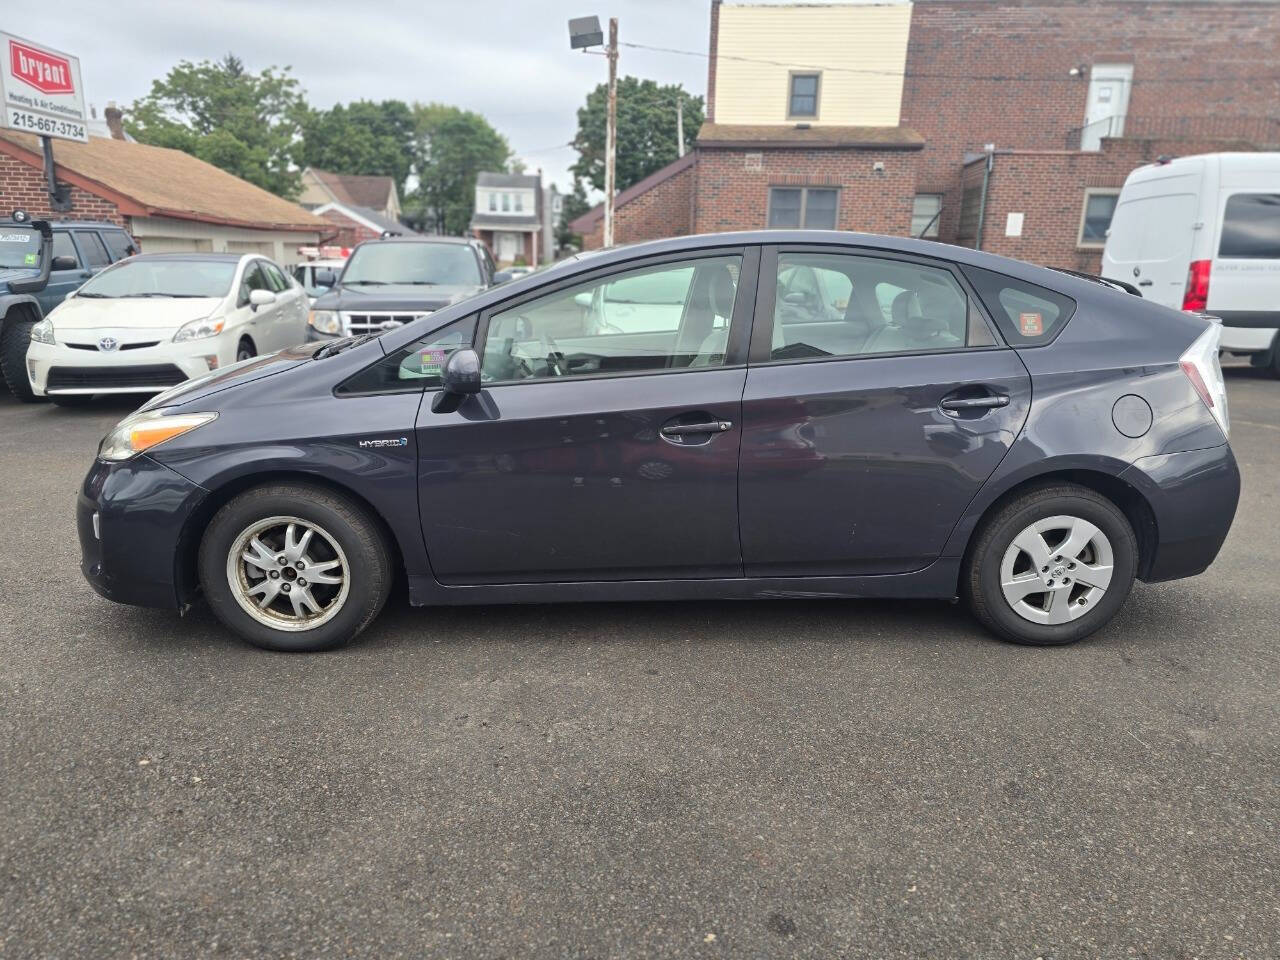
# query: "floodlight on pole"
[[585, 32]]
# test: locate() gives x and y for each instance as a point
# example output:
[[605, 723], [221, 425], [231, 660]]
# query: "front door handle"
[[691, 429], [1145, 283], [973, 403]]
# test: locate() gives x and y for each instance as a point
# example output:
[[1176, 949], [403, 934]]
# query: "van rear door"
[[1152, 234], [1244, 288]]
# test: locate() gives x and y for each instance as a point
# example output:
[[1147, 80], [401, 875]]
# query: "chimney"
[[115, 120]]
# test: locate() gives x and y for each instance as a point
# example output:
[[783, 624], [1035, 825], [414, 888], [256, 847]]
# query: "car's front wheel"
[[15, 336], [1052, 566], [295, 567]]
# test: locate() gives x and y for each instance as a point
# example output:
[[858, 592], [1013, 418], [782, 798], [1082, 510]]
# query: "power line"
[[994, 78]]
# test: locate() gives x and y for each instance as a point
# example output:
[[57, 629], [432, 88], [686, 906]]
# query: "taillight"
[[1201, 366], [1196, 297]]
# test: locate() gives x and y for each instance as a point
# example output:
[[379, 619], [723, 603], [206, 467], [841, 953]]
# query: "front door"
[[1108, 103], [66, 277], [871, 417], [597, 453], [507, 247]]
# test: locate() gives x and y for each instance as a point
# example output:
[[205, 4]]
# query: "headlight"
[[42, 332], [325, 321], [198, 330], [146, 429]]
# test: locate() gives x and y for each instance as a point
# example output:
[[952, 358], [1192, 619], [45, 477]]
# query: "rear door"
[[1152, 235], [595, 453], [864, 438]]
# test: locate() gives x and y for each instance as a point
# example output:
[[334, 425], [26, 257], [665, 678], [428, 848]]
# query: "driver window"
[[668, 317], [415, 367]]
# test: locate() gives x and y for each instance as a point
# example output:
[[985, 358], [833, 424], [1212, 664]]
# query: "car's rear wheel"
[[295, 567], [14, 339], [1052, 566]]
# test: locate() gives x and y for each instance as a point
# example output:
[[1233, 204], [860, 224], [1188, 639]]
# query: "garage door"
[[175, 245], [250, 246]]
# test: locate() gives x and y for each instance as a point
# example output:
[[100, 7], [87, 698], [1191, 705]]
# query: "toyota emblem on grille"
[[107, 344]]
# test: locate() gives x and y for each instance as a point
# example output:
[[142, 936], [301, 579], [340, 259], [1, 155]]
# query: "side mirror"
[[63, 263], [459, 379], [502, 276], [326, 277], [261, 298]]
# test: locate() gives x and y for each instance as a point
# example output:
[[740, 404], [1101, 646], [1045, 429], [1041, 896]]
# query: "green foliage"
[[646, 130], [360, 138], [451, 146], [574, 205], [245, 123]]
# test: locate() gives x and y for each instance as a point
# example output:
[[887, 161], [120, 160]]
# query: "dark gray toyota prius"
[[752, 415]]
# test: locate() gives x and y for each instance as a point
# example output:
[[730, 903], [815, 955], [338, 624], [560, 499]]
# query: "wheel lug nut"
[[1066, 579], [283, 560], [284, 587], [1044, 569], [275, 574], [299, 564], [301, 582], [1049, 583], [1071, 566]]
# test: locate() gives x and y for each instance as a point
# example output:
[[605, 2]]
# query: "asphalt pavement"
[[752, 779]]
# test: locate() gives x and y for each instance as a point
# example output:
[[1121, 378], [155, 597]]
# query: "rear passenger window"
[[1251, 227], [95, 254], [839, 305], [1026, 313], [119, 244]]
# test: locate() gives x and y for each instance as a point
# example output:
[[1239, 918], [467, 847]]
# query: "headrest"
[[722, 291]]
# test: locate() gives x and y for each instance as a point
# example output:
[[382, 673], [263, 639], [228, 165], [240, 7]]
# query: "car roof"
[[198, 255], [461, 241], [81, 224]]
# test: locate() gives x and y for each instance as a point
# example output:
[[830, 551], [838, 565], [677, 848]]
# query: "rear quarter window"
[[1026, 313], [1251, 227]]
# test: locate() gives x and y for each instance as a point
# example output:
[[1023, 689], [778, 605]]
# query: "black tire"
[[14, 337], [72, 400], [245, 349], [369, 563], [980, 581]]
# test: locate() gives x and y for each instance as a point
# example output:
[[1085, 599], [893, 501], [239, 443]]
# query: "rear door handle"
[[692, 429], [1145, 283], [972, 403]]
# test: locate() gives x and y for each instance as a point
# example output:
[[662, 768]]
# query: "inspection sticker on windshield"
[[29, 260], [432, 360], [1031, 324]]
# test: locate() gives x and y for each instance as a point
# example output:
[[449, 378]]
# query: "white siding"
[[868, 40]]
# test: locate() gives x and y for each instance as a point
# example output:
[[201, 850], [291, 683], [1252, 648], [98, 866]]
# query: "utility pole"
[[611, 132], [679, 125]]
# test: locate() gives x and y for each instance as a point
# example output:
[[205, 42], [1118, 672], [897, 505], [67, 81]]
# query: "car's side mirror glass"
[[459, 379], [326, 278], [261, 298], [502, 276], [63, 263]]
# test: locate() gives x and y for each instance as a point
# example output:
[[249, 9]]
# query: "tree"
[[451, 146], [245, 123], [575, 204], [646, 130], [362, 138]]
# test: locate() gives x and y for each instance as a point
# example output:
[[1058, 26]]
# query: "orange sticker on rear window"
[[1030, 324]]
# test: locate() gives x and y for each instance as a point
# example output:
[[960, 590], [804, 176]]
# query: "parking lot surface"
[[779, 779]]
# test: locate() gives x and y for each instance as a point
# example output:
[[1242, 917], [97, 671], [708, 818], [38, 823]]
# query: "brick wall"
[[350, 232], [23, 186], [663, 210], [1167, 43], [733, 186]]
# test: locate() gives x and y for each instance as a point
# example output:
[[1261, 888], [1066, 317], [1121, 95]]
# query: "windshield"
[[19, 247], [163, 278], [426, 264]]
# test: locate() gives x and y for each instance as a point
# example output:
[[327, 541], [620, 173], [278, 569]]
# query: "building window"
[[813, 208], [506, 202], [493, 202], [519, 202], [926, 211], [803, 100], [1099, 206]]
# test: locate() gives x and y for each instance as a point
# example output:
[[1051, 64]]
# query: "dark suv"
[[79, 250], [386, 283]]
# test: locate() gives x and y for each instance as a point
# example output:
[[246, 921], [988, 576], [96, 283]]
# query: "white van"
[[1203, 233]]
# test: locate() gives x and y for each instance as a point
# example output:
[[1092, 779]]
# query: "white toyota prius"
[[155, 320]]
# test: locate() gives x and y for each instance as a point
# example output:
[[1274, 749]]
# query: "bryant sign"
[[41, 90]]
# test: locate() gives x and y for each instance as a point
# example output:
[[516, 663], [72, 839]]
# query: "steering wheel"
[[555, 360]]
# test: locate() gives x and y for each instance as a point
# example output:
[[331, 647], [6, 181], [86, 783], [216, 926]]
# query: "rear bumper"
[[131, 552], [1193, 496]]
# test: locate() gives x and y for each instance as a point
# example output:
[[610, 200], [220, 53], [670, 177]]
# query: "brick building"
[[1005, 125], [169, 200]]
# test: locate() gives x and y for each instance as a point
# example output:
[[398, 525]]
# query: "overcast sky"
[[508, 60]]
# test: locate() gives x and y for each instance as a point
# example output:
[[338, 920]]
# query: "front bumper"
[[1193, 497], [58, 369], [130, 517]]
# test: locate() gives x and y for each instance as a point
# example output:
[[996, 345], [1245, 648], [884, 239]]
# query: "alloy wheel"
[[288, 573], [1056, 570]]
